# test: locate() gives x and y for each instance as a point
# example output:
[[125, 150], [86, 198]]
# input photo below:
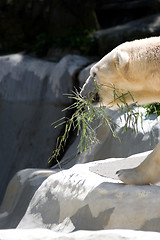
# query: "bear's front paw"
[[132, 177]]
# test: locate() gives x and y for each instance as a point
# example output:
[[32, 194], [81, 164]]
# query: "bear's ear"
[[122, 58]]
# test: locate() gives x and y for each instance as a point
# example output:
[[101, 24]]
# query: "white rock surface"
[[45, 234], [32, 98], [79, 199], [84, 197], [47, 204], [24, 78], [19, 193]]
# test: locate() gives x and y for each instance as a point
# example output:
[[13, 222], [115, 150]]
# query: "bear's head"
[[106, 77]]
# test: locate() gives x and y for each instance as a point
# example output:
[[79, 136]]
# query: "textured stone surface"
[[27, 79], [32, 98], [115, 12], [45, 234], [78, 199], [19, 193], [137, 29], [84, 197], [47, 204]]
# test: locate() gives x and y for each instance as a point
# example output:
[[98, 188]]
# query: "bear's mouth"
[[95, 98]]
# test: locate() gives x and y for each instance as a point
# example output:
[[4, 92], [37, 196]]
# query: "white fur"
[[134, 67]]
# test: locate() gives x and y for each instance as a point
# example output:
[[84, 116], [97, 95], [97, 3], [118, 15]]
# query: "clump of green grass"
[[82, 121], [130, 113], [84, 117], [153, 108]]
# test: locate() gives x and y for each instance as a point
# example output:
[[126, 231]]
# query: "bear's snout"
[[90, 91]]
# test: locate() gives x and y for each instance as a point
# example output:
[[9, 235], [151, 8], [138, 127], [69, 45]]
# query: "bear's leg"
[[148, 172]]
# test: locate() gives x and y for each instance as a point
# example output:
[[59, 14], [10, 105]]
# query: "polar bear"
[[131, 67]]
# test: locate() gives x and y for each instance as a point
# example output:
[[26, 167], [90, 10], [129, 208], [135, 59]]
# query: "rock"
[[38, 80], [114, 12], [19, 193], [84, 74], [79, 199], [84, 197], [45, 234], [110, 38], [31, 93]]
